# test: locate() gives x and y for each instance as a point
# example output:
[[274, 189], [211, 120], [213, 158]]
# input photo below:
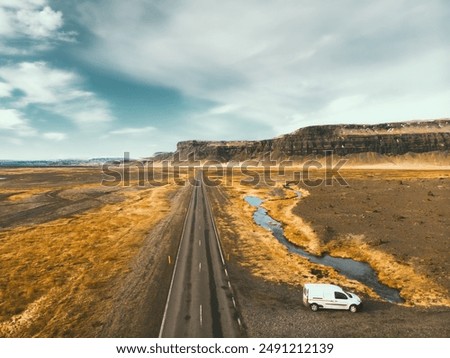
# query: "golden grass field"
[[57, 278], [67, 244]]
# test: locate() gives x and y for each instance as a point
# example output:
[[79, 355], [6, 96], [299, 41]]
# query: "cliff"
[[389, 139]]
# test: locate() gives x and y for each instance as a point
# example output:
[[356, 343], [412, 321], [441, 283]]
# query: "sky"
[[85, 79]]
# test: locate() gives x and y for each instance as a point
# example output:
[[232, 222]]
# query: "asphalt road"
[[200, 301]]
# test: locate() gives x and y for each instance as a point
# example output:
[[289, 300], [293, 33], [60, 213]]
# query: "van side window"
[[340, 295]]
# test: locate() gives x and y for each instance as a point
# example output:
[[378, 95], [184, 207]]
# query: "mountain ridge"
[[387, 139]]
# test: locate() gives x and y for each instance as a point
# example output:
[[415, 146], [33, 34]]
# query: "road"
[[200, 302]]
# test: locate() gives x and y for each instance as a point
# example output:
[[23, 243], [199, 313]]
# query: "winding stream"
[[352, 269]]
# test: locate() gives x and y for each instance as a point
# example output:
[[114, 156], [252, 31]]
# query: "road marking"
[[234, 302], [199, 267], [229, 284], [214, 225], [226, 272], [175, 267], [199, 242], [239, 322], [201, 315]]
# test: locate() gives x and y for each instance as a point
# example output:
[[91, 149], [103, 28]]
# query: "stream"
[[352, 269]]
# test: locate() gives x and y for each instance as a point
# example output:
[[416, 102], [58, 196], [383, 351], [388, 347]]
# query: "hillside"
[[360, 142]]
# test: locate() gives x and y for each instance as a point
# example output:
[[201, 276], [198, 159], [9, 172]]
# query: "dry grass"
[[415, 288], [25, 195], [297, 231], [269, 259], [256, 249], [56, 278]]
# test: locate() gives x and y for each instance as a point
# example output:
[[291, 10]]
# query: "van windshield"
[[348, 294]]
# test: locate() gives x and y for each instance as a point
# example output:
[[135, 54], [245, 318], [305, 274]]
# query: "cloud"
[[54, 90], [54, 136], [281, 65], [42, 84], [22, 4], [132, 131], [5, 89], [94, 112], [34, 20], [15, 123], [223, 109], [39, 24]]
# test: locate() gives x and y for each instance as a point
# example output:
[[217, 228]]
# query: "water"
[[352, 269]]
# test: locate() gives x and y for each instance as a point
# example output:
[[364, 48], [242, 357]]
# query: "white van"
[[316, 295]]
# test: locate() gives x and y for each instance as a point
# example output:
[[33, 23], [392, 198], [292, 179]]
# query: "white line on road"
[[201, 315], [214, 226], [199, 242], [199, 267], [234, 302], [226, 272], [175, 267]]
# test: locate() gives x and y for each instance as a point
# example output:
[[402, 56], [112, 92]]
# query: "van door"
[[328, 298], [305, 296], [339, 302]]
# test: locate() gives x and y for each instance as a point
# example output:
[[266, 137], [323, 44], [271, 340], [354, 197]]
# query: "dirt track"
[[35, 196]]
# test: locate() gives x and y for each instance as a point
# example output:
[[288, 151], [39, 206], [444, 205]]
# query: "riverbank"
[[268, 279]]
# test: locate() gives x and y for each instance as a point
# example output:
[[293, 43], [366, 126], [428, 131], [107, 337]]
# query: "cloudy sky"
[[82, 79]]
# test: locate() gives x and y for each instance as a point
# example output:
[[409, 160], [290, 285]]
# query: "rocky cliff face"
[[385, 139]]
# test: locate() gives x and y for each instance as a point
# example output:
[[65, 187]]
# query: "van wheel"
[[314, 307], [353, 308]]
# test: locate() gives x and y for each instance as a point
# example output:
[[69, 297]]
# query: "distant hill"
[[360, 142], [58, 162]]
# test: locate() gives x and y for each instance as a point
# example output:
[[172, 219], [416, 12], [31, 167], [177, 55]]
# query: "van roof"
[[322, 286]]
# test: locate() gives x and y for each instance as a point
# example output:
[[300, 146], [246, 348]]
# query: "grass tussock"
[[58, 276]]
